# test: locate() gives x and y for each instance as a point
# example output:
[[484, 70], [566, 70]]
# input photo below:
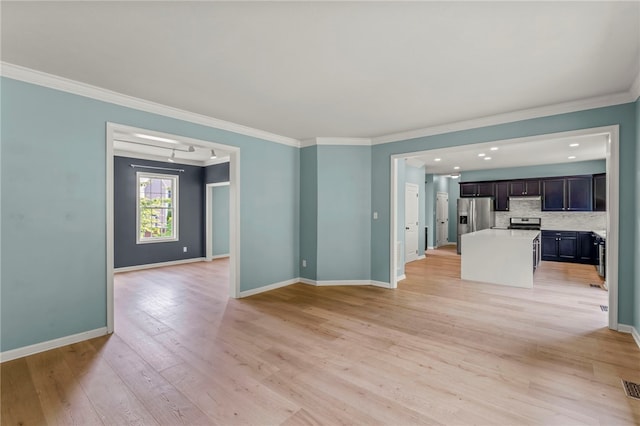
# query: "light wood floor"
[[437, 350]]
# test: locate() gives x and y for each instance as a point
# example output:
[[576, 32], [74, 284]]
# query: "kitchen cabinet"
[[501, 196], [476, 189], [587, 248], [600, 192], [559, 246], [569, 246], [573, 193], [527, 187]]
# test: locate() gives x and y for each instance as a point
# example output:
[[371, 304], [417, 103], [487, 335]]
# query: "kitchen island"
[[501, 256]]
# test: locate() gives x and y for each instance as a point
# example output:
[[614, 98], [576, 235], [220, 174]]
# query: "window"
[[157, 212]]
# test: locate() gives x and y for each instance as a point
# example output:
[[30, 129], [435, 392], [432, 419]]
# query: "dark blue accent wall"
[[191, 215], [216, 173]]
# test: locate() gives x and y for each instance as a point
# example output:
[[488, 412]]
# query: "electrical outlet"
[[184, 249], [304, 263], [375, 215]]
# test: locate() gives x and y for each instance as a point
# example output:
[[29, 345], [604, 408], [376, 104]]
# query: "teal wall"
[[623, 115], [636, 288], [220, 220], [545, 170], [309, 212], [344, 209], [60, 139]]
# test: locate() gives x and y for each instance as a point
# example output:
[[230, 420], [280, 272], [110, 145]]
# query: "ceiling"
[[343, 69], [503, 154], [156, 146]]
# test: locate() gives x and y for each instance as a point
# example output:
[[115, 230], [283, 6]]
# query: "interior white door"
[[411, 202], [442, 218]]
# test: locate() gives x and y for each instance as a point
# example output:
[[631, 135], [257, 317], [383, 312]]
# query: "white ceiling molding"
[[308, 142], [566, 107], [635, 88], [39, 78], [343, 141]]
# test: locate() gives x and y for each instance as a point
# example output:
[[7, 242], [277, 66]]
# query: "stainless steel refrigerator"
[[474, 214]]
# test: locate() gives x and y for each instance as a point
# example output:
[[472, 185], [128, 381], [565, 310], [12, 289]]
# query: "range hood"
[[526, 197]]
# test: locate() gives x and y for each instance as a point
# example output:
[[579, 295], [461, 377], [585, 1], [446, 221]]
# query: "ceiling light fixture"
[[437, 159], [571, 157], [494, 148], [173, 156], [573, 145], [487, 158], [454, 175], [456, 168], [482, 154], [213, 155], [154, 138]]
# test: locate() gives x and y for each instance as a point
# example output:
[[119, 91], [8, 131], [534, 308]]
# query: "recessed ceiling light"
[[573, 145], [437, 159], [482, 154], [154, 138], [456, 168], [454, 175], [494, 148], [487, 158], [571, 157]]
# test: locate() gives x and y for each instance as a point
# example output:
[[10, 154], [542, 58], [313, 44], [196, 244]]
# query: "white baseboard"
[[401, 277], [159, 264], [380, 284], [51, 344], [326, 283], [623, 328], [269, 287], [307, 281], [422, 257], [218, 256], [431, 248]]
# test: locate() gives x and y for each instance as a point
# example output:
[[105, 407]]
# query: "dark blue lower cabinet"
[[569, 246]]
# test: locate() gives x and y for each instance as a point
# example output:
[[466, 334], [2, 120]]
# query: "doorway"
[[442, 219], [112, 130], [411, 212], [217, 220]]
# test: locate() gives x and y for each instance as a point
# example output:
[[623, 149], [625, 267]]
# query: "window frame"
[[174, 202]]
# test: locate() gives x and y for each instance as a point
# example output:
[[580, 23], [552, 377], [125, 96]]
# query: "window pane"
[[156, 207]]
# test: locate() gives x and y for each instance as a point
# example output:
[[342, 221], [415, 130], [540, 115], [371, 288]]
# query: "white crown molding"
[[40, 78], [635, 88], [567, 107], [343, 141]]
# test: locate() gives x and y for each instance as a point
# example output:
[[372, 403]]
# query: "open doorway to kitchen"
[[608, 136], [149, 154], [442, 219]]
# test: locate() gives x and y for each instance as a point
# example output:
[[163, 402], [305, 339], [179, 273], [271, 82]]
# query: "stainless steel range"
[[528, 223]]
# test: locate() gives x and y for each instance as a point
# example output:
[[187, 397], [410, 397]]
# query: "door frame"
[[209, 217], [436, 218], [234, 207], [417, 187], [613, 202]]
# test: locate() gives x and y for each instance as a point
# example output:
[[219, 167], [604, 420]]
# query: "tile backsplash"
[[569, 221]]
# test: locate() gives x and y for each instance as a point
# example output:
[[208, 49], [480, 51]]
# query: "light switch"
[[375, 215]]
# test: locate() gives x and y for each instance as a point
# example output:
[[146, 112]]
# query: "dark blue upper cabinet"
[[574, 193], [553, 194], [600, 192], [579, 193]]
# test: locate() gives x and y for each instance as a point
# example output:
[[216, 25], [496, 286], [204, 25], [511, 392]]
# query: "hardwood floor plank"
[[436, 350], [62, 399], [20, 401]]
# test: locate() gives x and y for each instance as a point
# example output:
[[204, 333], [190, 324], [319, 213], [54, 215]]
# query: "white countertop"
[[504, 233], [602, 233]]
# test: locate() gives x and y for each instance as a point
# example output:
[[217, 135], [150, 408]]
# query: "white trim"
[[209, 220], [343, 141], [234, 224], [307, 281], [40, 78], [110, 129], [269, 287], [623, 328], [51, 344], [175, 209], [380, 284], [328, 283], [401, 277], [613, 205], [527, 114], [635, 88], [217, 160], [422, 257], [158, 264], [218, 256], [393, 208]]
